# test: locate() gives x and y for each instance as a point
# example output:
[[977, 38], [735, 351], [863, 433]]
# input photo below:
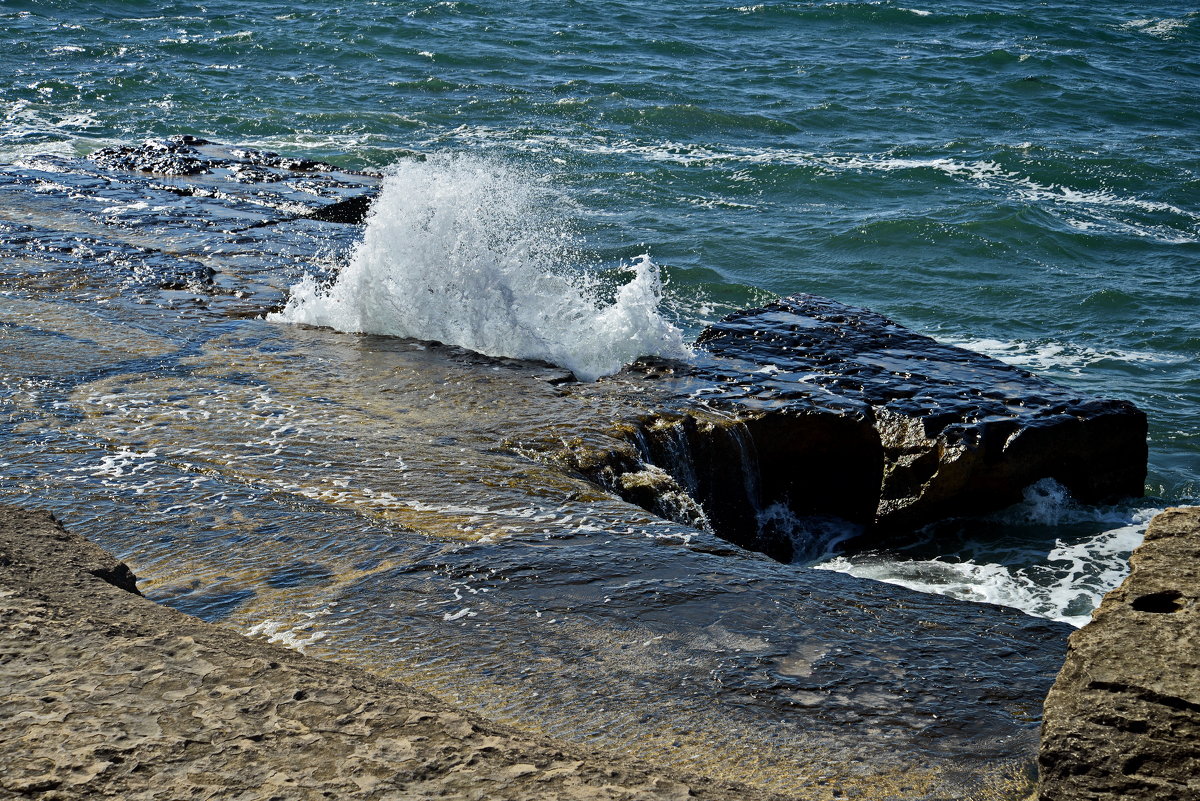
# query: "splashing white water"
[[462, 250], [1067, 584], [1042, 356]]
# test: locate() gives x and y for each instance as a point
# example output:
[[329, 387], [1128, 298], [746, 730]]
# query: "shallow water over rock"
[[456, 521]]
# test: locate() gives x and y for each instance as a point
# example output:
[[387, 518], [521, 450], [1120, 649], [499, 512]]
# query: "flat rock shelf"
[[590, 562], [109, 695]]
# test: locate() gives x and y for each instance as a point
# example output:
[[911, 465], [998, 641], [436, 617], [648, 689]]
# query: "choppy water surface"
[[1024, 184]]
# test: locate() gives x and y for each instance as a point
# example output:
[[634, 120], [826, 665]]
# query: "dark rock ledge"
[[108, 695], [837, 411], [1123, 718]]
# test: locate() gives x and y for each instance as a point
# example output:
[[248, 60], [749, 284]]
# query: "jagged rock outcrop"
[[108, 695], [1122, 722], [833, 410]]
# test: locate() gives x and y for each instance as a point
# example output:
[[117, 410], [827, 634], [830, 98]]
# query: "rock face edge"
[[1122, 720]]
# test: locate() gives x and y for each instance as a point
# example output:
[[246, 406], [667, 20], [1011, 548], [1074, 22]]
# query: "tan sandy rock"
[[108, 695], [1123, 718]]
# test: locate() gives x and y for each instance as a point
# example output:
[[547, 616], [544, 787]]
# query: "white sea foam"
[[297, 636], [29, 131], [1061, 356], [1067, 585], [1163, 28], [462, 250]]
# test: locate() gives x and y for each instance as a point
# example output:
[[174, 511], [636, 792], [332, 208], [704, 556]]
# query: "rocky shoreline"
[[471, 526], [1123, 718], [109, 695], [824, 409]]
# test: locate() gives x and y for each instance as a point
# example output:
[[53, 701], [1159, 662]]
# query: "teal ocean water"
[[1018, 179]]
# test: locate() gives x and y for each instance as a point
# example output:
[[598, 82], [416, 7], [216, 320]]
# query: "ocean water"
[[590, 182]]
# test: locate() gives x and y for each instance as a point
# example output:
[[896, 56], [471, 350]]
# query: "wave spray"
[[465, 251]]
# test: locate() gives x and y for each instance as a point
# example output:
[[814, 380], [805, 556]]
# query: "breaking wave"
[[466, 251], [1065, 582]]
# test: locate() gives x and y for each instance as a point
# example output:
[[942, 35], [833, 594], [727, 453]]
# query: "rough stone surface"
[[188, 156], [838, 411], [231, 228], [834, 411], [1123, 718], [107, 695]]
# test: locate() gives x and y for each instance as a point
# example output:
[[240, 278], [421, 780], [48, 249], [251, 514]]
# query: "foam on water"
[[297, 636], [1083, 209], [1067, 584], [1161, 27], [466, 251], [1060, 356]]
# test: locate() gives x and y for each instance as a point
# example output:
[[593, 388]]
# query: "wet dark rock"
[[267, 158], [1122, 722], [833, 410], [188, 156], [351, 211], [103, 260], [160, 157], [169, 220], [188, 139]]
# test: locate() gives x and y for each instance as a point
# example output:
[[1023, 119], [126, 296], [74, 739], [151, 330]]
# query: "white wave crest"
[[1100, 209], [466, 251], [1163, 28]]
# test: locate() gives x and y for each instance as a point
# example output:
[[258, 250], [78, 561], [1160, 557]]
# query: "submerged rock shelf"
[[478, 527]]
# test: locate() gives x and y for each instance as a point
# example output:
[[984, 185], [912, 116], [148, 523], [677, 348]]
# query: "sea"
[[588, 183]]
